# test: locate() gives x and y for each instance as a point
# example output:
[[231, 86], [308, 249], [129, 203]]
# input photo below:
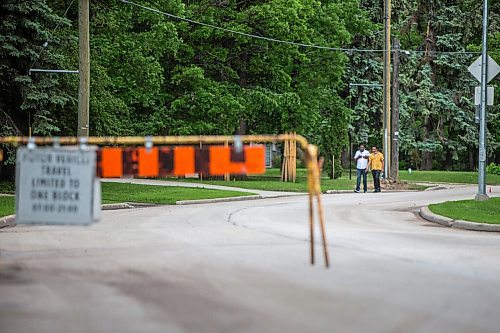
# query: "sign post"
[[57, 186], [484, 69]]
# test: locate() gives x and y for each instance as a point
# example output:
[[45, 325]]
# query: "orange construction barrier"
[[156, 161]]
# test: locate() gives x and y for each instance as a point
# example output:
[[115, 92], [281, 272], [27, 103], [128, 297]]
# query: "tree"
[[29, 100]]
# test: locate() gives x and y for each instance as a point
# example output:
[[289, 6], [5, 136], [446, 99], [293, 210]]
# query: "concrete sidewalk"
[[155, 182]]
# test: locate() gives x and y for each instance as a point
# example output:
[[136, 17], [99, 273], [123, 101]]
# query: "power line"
[[247, 34], [51, 35], [274, 40]]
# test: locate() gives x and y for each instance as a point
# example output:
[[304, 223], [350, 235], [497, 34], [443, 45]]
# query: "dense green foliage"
[[154, 75], [437, 128]]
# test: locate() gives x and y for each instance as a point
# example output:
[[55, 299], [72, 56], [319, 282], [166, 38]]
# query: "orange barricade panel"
[[184, 161], [255, 160], [219, 160], [179, 161], [148, 162], [111, 162]]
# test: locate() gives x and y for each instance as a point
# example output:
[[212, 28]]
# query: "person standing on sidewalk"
[[376, 165], [361, 157]]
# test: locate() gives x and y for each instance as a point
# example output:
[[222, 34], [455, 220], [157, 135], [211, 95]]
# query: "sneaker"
[[364, 191], [375, 191], [357, 191]]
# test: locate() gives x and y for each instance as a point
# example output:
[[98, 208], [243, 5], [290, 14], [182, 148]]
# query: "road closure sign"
[[57, 186]]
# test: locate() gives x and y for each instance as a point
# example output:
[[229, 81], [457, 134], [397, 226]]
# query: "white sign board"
[[56, 186], [492, 67], [489, 96]]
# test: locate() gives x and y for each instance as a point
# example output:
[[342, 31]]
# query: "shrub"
[[327, 166], [493, 169], [276, 161]]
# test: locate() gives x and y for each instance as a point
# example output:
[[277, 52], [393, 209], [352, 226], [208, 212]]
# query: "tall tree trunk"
[[345, 159], [426, 163], [242, 127], [430, 47], [472, 159], [448, 162]]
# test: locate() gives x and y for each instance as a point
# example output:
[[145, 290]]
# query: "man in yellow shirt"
[[376, 165]]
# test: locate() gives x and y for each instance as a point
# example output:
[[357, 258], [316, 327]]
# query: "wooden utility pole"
[[83, 68], [395, 113], [387, 87]]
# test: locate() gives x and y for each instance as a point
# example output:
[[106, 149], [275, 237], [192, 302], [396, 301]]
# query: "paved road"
[[243, 267]]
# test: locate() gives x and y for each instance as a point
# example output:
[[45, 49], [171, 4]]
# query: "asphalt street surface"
[[244, 267]]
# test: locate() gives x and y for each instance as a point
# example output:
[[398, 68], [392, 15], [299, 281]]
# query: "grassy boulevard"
[[162, 195], [118, 193], [271, 180], [459, 177], [470, 210]]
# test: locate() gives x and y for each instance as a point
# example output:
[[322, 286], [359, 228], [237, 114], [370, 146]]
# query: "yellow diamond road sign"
[[492, 66]]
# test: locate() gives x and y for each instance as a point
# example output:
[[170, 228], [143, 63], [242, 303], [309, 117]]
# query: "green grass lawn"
[[161, 195], [7, 205], [165, 195], [470, 210], [270, 181], [276, 184], [463, 177]]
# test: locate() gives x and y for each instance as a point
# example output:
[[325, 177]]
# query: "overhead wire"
[[51, 35], [275, 40]]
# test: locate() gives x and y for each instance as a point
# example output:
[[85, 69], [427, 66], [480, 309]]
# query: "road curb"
[[351, 191], [475, 226], [337, 191], [216, 200], [436, 188], [116, 206], [426, 214], [8, 221]]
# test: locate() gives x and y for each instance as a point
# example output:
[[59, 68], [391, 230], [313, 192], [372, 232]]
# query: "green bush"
[[493, 169], [276, 161], [301, 163], [7, 187], [327, 166]]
